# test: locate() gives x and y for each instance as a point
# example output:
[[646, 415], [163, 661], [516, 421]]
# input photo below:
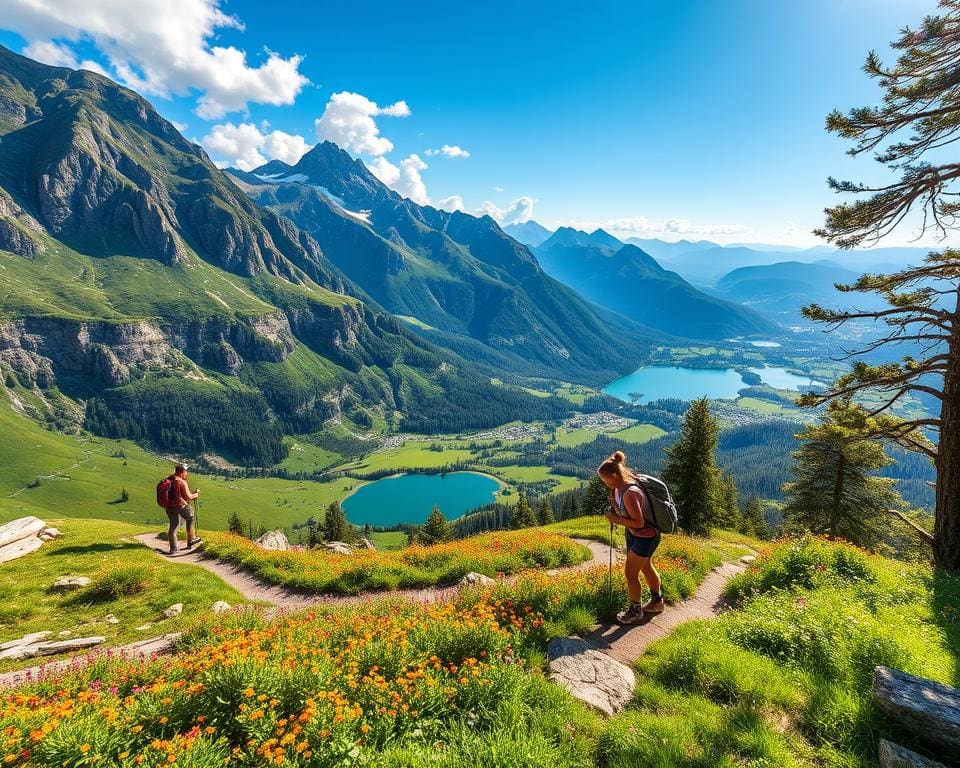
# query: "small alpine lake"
[[409, 498], [657, 382]]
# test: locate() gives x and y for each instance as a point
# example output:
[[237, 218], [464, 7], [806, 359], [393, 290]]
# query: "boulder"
[[748, 559], [62, 646], [367, 544], [927, 709], [589, 675], [111, 619], [49, 534], [476, 579], [71, 582], [22, 528], [273, 540], [895, 756], [16, 549], [33, 637], [173, 611], [339, 548], [221, 606]]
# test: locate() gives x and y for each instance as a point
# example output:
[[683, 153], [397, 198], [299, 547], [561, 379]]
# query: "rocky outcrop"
[[476, 579], [22, 536], [29, 648], [19, 231], [589, 675], [70, 582], [928, 709], [894, 756], [276, 540]]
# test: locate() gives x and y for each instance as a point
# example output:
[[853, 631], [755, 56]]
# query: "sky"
[[697, 119]]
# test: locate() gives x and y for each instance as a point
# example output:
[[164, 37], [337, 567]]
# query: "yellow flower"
[[84, 748]]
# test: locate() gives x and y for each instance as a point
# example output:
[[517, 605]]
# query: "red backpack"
[[166, 489]]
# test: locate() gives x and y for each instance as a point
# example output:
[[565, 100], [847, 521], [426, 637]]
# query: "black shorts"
[[642, 546], [183, 513]]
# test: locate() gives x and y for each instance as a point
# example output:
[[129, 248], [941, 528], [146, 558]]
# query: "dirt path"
[[256, 589], [627, 643]]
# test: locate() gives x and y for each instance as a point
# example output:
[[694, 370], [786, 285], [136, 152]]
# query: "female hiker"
[[628, 504]]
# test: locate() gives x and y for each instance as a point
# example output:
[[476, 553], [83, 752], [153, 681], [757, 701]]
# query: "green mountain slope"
[[628, 281], [168, 307], [477, 290]]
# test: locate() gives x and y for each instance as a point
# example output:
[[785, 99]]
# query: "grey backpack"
[[662, 506]]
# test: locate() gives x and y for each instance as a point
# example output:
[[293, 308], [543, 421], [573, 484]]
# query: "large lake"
[[657, 382], [410, 498]]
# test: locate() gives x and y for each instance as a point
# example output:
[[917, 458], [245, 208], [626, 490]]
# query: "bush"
[[115, 583]]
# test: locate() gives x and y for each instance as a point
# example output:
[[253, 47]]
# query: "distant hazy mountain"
[[459, 280], [566, 236], [664, 251], [529, 233], [784, 287], [629, 281]]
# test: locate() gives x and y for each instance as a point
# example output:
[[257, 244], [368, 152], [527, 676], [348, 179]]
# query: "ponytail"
[[616, 465]]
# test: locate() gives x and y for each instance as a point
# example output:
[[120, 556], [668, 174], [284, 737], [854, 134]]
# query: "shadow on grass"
[[945, 587], [95, 548]]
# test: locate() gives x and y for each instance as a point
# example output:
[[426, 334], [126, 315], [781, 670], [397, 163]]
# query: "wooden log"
[[927, 709]]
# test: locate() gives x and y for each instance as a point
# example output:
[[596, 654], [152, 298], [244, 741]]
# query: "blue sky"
[[704, 114]]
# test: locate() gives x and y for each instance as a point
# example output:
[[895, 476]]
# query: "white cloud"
[[498, 190], [161, 47], [348, 122], [247, 147], [59, 55], [451, 204], [641, 225], [182, 127], [449, 151], [519, 211], [404, 179]]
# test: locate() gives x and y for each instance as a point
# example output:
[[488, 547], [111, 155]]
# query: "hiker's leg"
[[631, 571], [650, 574], [173, 521], [188, 519]]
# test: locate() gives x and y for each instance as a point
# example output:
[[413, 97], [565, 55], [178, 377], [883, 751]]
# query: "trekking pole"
[[610, 566], [196, 517]]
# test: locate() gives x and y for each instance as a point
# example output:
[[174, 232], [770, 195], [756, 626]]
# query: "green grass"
[[639, 433], [129, 580], [384, 540], [306, 457], [761, 406], [785, 679]]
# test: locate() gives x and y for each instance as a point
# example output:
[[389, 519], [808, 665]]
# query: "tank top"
[[647, 531]]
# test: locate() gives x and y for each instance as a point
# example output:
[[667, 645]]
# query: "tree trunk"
[[837, 494], [946, 527]]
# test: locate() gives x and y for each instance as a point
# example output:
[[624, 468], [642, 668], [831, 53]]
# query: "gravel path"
[[627, 643], [255, 589]]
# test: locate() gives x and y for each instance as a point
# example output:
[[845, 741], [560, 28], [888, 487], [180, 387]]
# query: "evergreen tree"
[[523, 515], [833, 492], [728, 502], [314, 533], [596, 498], [235, 524], [367, 530], [691, 469], [754, 520], [570, 507], [545, 514], [435, 530], [335, 525], [919, 112]]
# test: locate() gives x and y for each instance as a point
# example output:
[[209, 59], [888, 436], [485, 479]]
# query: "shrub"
[[114, 583]]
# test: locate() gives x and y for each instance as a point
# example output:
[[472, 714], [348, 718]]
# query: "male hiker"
[[178, 508]]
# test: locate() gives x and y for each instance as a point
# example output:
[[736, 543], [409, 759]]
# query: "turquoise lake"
[[658, 382], [410, 498]]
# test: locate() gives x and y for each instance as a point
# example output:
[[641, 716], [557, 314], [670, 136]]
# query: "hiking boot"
[[194, 542], [633, 614], [654, 606]]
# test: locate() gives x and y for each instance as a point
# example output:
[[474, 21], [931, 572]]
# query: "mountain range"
[[144, 295], [627, 280], [457, 280]]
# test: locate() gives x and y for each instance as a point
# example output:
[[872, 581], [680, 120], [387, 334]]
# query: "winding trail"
[[258, 590]]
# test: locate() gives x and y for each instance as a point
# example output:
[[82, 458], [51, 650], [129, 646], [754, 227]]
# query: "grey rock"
[[476, 579], [111, 619], [49, 534], [33, 637], [589, 675], [276, 540], [895, 756], [64, 633], [71, 582], [143, 627], [929, 710], [19, 529], [748, 558], [20, 548], [367, 544], [339, 548], [63, 646], [221, 606], [173, 611]]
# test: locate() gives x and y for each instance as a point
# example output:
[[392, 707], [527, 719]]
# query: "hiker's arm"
[[614, 518], [634, 506]]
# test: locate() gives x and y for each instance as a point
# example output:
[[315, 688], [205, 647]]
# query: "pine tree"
[[728, 503], [833, 492], [545, 514], [314, 533], [754, 520], [523, 515], [570, 507], [235, 524], [691, 469], [435, 530], [335, 525], [919, 112], [367, 530]]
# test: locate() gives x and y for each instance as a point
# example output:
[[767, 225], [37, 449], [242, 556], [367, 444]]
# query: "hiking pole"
[[196, 519], [610, 566]]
